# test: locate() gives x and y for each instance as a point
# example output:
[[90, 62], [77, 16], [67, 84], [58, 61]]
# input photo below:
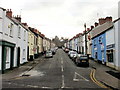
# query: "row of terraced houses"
[[19, 43], [102, 40]]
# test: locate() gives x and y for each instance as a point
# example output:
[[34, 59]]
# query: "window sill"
[[11, 36], [1, 32], [6, 34], [19, 37]]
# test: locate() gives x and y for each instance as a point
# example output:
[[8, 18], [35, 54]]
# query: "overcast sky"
[[64, 18]]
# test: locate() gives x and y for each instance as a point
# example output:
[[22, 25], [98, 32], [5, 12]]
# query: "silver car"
[[48, 54], [73, 55]]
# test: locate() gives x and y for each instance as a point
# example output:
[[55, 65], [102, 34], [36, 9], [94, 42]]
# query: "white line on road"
[[75, 77], [63, 82], [32, 86], [50, 66], [62, 62], [62, 69], [46, 87]]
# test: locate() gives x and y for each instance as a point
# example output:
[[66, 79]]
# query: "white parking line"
[[63, 82]]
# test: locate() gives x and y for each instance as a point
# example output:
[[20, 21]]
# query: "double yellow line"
[[92, 76]]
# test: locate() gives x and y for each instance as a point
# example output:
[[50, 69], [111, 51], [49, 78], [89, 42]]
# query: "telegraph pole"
[[85, 39]]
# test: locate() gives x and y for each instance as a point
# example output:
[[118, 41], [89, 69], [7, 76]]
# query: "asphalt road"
[[58, 72]]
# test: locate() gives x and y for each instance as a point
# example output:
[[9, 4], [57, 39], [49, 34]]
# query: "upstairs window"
[[11, 29], [100, 40], [94, 42], [19, 32], [24, 35]]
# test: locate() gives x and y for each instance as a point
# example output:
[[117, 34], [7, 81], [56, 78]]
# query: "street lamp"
[[85, 39]]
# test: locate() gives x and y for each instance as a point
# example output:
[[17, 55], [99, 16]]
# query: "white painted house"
[[12, 47], [117, 43]]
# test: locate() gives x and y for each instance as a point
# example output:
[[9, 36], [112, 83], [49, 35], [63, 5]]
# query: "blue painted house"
[[99, 47]]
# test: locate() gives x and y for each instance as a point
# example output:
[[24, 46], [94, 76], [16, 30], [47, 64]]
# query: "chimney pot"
[[92, 27], [88, 29], [96, 24]]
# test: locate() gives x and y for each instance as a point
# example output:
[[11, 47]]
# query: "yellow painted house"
[[31, 45], [40, 44]]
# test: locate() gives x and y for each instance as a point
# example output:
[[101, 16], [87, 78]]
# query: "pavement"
[[16, 72], [106, 75]]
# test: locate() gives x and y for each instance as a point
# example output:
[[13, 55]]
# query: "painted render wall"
[[110, 37], [99, 48], [22, 43], [117, 44], [0, 56]]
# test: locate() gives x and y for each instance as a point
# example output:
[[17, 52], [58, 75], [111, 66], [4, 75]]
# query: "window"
[[19, 32], [24, 35], [94, 42], [110, 56], [100, 40], [11, 29], [24, 53]]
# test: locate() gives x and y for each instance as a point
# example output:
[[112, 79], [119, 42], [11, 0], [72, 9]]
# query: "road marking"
[[32, 86], [92, 76], [62, 69], [63, 82], [62, 62], [46, 87], [50, 66], [75, 77]]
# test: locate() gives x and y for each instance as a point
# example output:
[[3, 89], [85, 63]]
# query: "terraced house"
[[13, 41]]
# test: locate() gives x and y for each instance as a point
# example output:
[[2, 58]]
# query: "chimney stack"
[[108, 19], [9, 13], [18, 18], [102, 21], [96, 24], [25, 24]]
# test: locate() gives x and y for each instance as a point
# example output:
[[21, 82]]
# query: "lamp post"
[[85, 39]]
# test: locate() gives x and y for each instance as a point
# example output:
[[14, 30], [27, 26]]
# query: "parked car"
[[82, 60], [66, 50], [48, 54], [72, 55], [53, 51]]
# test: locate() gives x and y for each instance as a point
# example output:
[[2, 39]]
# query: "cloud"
[[61, 17]]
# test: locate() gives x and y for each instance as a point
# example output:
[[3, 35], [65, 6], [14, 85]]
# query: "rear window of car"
[[83, 57], [48, 51]]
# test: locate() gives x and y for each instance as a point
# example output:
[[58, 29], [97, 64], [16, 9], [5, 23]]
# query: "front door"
[[18, 57]]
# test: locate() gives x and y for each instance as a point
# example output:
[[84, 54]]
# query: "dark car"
[[82, 60]]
